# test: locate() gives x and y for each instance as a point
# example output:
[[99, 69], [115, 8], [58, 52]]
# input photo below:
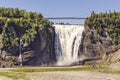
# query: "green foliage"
[[107, 22], [16, 25]]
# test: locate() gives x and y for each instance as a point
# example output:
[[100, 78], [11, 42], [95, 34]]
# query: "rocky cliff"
[[41, 51], [95, 46], [32, 35], [101, 37], [25, 37]]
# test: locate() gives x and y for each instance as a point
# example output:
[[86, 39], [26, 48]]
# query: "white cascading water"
[[67, 42]]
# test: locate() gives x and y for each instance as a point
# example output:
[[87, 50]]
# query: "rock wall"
[[41, 51], [96, 46]]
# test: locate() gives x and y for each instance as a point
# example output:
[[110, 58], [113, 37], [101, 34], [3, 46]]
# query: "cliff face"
[[39, 53], [97, 46], [31, 31], [101, 37], [41, 49], [27, 35]]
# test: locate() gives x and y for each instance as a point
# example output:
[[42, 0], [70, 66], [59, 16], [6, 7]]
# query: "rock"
[[39, 52], [95, 45], [113, 57], [41, 49], [3, 54], [4, 64]]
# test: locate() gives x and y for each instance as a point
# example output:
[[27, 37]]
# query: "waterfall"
[[67, 42], [20, 59]]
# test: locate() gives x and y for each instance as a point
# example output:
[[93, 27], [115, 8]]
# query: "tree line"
[[108, 22], [18, 24]]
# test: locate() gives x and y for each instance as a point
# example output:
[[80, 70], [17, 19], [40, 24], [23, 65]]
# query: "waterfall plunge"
[[67, 42]]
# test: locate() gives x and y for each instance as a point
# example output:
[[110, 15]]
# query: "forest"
[[17, 25], [108, 22]]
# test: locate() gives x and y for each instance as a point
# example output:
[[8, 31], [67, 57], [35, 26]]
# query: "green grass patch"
[[13, 76], [86, 68], [118, 72], [109, 71]]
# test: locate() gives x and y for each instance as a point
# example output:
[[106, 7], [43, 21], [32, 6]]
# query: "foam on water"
[[67, 42]]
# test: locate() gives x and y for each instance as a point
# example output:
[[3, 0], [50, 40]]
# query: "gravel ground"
[[115, 66], [4, 78], [67, 75], [73, 75]]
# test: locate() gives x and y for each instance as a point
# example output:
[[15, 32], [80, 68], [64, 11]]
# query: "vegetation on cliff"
[[106, 24], [16, 25]]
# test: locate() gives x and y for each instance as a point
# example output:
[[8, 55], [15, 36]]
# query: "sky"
[[63, 8]]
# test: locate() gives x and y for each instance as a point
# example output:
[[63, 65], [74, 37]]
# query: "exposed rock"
[[2, 54], [39, 52], [112, 57], [96, 45], [41, 49]]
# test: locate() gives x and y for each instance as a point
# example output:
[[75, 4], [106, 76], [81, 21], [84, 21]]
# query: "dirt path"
[[115, 66], [72, 75], [4, 78]]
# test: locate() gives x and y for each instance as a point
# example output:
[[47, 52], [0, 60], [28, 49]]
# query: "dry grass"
[[84, 68], [22, 73]]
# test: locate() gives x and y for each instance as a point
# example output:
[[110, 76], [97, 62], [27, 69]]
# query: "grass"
[[14, 76], [20, 73], [107, 71], [86, 68], [117, 72], [100, 68]]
